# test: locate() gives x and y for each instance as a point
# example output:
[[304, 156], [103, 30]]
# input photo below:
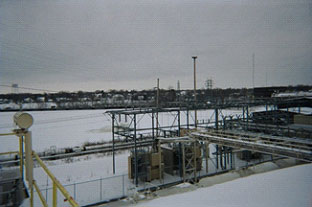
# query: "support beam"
[[157, 108], [183, 161], [195, 93], [195, 162], [179, 124], [153, 127], [216, 118], [21, 156], [113, 136], [187, 119], [217, 154], [206, 155], [221, 158], [159, 154], [135, 153]]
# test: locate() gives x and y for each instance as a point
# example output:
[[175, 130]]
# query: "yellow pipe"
[[54, 195], [55, 181], [43, 201], [8, 153]]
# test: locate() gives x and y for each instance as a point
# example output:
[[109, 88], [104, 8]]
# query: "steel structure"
[[130, 132], [189, 163], [283, 146]]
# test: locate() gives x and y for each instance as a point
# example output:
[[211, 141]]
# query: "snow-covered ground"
[[89, 179], [83, 168], [59, 128], [280, 188], [73, 128]]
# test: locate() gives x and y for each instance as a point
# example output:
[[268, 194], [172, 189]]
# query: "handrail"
[[43, 201], [55, 181], [8, 153], [8, 134]]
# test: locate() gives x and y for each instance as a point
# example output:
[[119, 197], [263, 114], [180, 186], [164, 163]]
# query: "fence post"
[[101, 189], [123, 185], [75, 191], [47, 188]]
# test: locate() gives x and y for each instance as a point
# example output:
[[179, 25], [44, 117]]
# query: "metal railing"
[[104, 190], [56, 185], [26, 159]]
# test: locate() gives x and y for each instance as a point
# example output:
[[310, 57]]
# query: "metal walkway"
[[283, 146]]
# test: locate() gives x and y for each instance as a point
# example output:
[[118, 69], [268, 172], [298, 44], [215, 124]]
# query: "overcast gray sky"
[[127, 44]]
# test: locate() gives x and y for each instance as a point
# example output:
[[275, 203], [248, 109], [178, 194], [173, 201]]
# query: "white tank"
[[23, 120]]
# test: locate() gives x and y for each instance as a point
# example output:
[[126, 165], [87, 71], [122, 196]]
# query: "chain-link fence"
[[120, 186]]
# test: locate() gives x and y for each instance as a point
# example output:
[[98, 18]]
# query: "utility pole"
[[179, 93], [253, 70], [195, 98], [266, 77], [157, 98], [157, 107]]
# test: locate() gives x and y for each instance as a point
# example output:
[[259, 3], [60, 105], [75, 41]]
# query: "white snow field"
[[59, 128], [75, 127], [289, 187], [71, 128]]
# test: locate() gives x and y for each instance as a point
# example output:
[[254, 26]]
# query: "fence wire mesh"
[[120, 186]]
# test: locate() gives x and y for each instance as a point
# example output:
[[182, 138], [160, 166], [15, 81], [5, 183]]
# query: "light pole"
[[195, 98]]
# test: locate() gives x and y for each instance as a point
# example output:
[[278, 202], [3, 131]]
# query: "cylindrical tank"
[[23, 120]]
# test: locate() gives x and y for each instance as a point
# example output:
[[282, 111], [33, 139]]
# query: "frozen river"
[[73, 128], [59, 128]]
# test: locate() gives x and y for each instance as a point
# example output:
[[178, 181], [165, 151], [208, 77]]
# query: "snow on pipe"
[[267, 148]]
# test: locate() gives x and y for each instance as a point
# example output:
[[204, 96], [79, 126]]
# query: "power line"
[[63, 119], [27, 88]]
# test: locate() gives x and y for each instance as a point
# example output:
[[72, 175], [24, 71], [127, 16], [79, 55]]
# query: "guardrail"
[[26, 155], [20, 152], [56, 185]]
